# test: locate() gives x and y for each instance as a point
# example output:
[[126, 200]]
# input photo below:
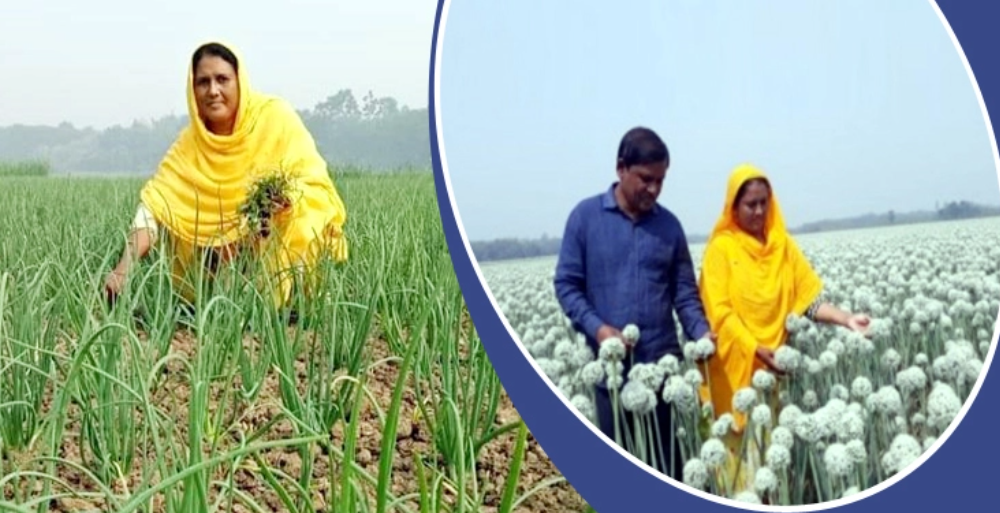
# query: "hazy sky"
[[105, 62], [851, 106]]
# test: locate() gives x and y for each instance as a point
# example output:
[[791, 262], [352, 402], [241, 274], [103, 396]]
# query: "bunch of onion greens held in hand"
[[268, 196]]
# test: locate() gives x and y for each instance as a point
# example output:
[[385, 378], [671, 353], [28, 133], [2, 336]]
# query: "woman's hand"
[[859, 323], [279, 206], [113, 284], [766, 356]]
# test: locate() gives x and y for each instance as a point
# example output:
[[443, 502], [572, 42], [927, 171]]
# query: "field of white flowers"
[[850, 412]]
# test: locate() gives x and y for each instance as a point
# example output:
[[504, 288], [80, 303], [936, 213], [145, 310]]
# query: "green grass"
[[24, 168], [147, 406]]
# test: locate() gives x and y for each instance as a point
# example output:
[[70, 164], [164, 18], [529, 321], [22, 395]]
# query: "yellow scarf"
[[204, 178], [748, 289]]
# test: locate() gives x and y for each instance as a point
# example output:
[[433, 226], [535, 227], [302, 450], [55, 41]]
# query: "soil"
[[171, 396]]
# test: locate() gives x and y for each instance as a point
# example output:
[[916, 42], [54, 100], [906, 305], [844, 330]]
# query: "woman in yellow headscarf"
[[753, 276], [236, 137]]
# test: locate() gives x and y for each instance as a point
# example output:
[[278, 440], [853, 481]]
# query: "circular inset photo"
[[754, 246]]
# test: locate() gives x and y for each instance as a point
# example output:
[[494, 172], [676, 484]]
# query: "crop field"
[[378, 396], [849, 413]]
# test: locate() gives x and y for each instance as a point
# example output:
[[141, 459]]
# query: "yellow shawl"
[[748, 289], [204, 178]]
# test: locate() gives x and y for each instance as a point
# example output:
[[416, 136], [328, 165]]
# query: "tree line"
[[373, 133], [519, 248]]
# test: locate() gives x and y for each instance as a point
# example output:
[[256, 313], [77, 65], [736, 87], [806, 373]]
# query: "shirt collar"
[[608, 202]]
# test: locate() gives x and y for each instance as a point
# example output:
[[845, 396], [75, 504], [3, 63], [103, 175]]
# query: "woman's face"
[[751, 208], [217, 92]]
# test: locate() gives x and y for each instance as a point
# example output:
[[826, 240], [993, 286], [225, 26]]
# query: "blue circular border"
[[958, 474]]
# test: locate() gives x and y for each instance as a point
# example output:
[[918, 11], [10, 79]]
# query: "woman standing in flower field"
[[244, 173], [753, 277]]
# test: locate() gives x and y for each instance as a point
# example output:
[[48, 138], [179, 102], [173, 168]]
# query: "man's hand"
[[605, 332]]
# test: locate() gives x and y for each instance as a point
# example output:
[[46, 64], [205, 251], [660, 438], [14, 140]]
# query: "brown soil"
[[171, 397]]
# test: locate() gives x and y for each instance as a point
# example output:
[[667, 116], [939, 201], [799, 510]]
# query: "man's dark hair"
[[641, 146]]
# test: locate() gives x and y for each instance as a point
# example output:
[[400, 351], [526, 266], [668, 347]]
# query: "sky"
[[101, 63], [851, 107]]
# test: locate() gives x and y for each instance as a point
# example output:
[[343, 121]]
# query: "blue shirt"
[[616, 271]]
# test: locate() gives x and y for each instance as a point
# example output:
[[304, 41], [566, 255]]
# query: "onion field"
[[378, 396], [849, 411]]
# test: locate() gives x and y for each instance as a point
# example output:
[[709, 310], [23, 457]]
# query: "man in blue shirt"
[[625, 260]]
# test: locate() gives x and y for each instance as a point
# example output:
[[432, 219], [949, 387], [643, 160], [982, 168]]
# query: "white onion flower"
[[585, 406], [973, 367], [813, 366], [761, 415], [887, 401], [648, 373], [903, 451], [827, 359], [564, 351], [723, 425], [763, 380], [781, 435], [921, 360], [929, 443], [947, 367], [747, 496], [678, 393], [808, 429], [861, 388], [614, 381], [943, 406], [693, 378], [850, 426], [582, 355], [690, 352], [636, 397], [789, 416], [836, 347], [810, 400], [669, 364], [713, 453], [744, 399], [631, 334], [764, 480], [788, 359], [840, 392], [857, 451], [695, 473], [850, 491], [551, 368], [911, 380], [592, 373], [838, 461], [612, 350], [891, 359], [704, 348], [778, 457]]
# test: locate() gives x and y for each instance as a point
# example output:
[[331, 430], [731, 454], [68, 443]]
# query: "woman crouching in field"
[[244, 174]]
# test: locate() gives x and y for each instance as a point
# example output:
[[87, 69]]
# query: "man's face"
[[641, 185]]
